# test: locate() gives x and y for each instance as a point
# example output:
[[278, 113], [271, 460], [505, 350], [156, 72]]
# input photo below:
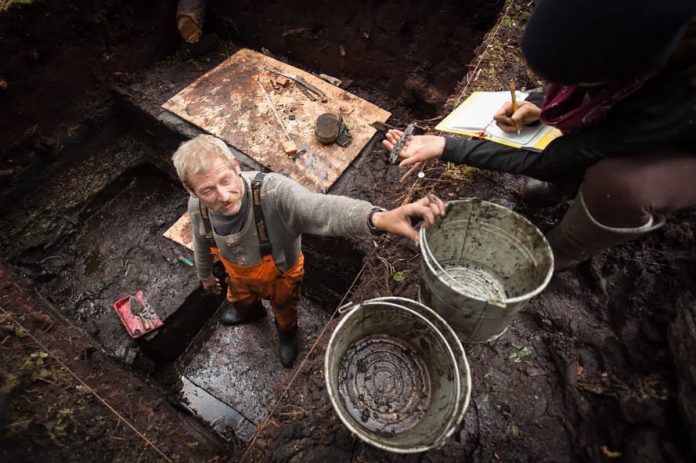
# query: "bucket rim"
[[428, 255], [365, 435]]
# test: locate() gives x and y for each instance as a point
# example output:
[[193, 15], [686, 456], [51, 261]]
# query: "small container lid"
[[327, 128]]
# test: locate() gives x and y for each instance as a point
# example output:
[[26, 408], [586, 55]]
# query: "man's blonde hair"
[[196, 156]]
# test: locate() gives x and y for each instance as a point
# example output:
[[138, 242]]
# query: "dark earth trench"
[[598, 367]]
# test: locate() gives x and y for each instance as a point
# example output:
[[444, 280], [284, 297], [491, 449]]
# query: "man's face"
[[221, 188]]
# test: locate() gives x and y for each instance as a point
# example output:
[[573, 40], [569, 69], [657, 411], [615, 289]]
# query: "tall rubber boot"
[[288, 345], [537, 193], [579, 236], [236, 314]]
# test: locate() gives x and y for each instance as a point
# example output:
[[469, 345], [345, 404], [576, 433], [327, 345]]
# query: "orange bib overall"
[[247, 285]]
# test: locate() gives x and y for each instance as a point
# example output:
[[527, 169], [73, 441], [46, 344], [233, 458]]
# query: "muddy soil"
[[588, 372], [62, 399], [593, 369], [395, 51], [58, 58], [588, 362]]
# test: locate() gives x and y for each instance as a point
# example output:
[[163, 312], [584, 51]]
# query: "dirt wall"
[[57, 57], [415, 52]]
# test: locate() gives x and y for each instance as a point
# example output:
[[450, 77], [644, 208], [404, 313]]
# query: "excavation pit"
[[89, 200], [599, 362], [103, 238]]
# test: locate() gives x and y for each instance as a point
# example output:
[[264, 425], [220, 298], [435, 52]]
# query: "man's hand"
[[212, 284], [398, 221], [418, 148], [527, 113]]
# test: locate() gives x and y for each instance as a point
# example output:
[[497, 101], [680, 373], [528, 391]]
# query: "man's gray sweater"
[[289, 210]]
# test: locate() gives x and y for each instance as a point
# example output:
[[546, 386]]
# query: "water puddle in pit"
[[223, 419]]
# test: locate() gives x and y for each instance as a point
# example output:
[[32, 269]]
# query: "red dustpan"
[[139, 319]]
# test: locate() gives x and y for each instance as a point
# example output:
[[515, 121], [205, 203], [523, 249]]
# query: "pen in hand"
[[515, 106]]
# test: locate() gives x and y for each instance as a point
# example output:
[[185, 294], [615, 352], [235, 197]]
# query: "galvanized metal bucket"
[[397, 375], [481, 263]]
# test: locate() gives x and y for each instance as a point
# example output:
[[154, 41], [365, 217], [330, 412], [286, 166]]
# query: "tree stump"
[[190, 15]]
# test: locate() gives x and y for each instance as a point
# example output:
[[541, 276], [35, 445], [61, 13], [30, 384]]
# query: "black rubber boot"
[[537, 194], [288, 345], [234, 314]]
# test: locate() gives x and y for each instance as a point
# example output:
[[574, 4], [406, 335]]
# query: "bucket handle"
[[347, 307], [430, 259], [428, 255]]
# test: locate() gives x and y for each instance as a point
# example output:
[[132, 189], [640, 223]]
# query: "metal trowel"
[[137, 310]]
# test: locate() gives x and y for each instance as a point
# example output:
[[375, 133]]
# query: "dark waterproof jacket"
[[659, 116]]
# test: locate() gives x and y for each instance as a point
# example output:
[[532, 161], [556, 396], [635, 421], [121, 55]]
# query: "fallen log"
[[190, 15]]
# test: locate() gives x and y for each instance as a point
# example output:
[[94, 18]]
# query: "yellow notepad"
[[474, 117]]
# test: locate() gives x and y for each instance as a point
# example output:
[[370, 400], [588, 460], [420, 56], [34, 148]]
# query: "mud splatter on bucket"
[[397, 375], [481, 264]]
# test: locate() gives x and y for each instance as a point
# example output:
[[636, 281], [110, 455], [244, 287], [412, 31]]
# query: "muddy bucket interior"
[[397, 375], [481, 264]]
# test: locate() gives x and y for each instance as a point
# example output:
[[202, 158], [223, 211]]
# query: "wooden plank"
[[228, 103], [181, 232]]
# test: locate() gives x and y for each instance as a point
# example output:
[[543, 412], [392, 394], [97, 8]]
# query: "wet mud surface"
[[58, 58], [63, 399], [92, 234], [599, 367], [239, 365], [588, 362], [587, 372]]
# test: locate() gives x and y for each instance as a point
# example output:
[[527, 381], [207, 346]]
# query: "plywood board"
[[181, 232], [228, 103]]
